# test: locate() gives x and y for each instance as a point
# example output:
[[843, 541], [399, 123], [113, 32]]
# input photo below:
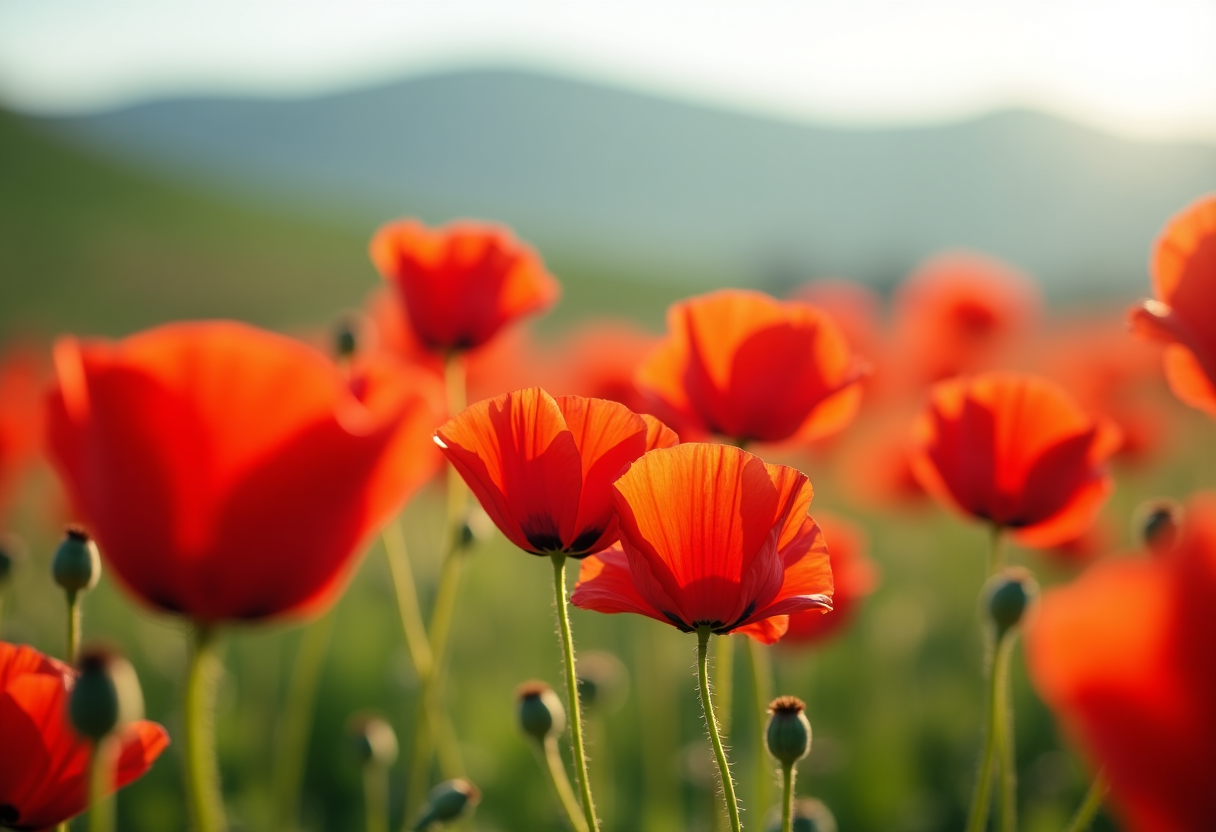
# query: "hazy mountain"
[[632, 178]]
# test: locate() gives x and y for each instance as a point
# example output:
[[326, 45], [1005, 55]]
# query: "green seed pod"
[[105, 695], [810, 815], [789, 732], [446, 802], [76, 566], [373, 739], [1007, 596], [539, 710], [1158, 523]]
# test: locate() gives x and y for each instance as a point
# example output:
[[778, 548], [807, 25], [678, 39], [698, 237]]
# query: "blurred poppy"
[[231, 473], [600, 360], [711, 536], [462, 283], [854, 577], [875, 465], [20, 420], [542, 466], [854, 307], [1017, 451], [957, 314], [751, 368], [1183, 314], [1123, 657], [45, 764]]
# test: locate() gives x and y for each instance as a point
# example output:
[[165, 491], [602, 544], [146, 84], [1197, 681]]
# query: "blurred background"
[[188, 159]]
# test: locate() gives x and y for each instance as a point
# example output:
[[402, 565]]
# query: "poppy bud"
[[810, 815], [1157, 524], [540, 711], [76, 565], [1007, 596], [789, 731], [373, 739], [346, 337], [106, 694], [447, 801], [603, 681]]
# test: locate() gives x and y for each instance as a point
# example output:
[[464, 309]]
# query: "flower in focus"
[[44, 767], [711, 536], [20, 422], [1123, 657], [1015, 450], [748, 367], [854, 577], [957, 313], [542, 466], [231, 473], [1183, 315], [462, 283]]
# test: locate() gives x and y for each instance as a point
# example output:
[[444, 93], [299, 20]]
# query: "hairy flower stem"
[[994, 738], [206, 806], [550, 760], [576, 711], [787, 798], [711, 720], [762, 683], [293, 730], [73, 598], [1088, 810], [101, 779]]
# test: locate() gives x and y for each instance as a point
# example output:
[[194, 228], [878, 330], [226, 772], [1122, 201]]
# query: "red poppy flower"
[[711, 536], [542, 466], [1184, 313], [957, 313], [1123, 657], [601, 360], [230, 473], [854, 577], [1015, 450], [44, 767], [462, 283], [20, 419], [746, 366]]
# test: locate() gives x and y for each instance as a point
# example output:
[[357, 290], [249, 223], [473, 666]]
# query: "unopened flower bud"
[[446, 802], [1007, 596], [374, 740], [105, 695], [603, 681], [810, 815], [540, 711], [1158, 522], [76, 565], [789, 732]]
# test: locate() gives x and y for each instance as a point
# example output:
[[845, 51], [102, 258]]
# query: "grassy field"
[[895, 702]]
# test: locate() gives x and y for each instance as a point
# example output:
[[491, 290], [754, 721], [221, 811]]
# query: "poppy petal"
[[606, 584], [766, 630]]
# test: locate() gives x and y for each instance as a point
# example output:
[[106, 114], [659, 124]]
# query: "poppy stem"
[[397, 555], [73, 598], [724, 661], [762, 681], [787, 799], [375, 797], [977, 818], [202, 771], [293, 730], [550, 760], [576, 714], [101, 779], [1005, 741], [1088, 810], [996, 552], [728, 785]]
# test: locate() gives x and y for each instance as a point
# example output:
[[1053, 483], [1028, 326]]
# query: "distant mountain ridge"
[[736, 198]]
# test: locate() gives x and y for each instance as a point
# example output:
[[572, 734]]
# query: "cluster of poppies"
[[229, 474]]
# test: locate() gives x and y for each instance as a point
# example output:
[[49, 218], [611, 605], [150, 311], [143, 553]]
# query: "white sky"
[[1140, 67]]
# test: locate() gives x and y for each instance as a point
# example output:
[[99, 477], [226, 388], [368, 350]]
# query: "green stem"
[[375, 797], [101, 779], [724, 686], [203, 795], [73, 624], [996, 551], [978, 816], [550, 760], [762, 682], [576, 714], [787, 799], [407, 599], [291, 754], [1005, 741], [1090, 806], [728, 785]]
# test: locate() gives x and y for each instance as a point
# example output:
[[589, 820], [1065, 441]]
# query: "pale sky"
[[1137, 67]]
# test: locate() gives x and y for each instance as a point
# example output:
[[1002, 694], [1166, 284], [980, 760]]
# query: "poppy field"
[[939, 560]]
